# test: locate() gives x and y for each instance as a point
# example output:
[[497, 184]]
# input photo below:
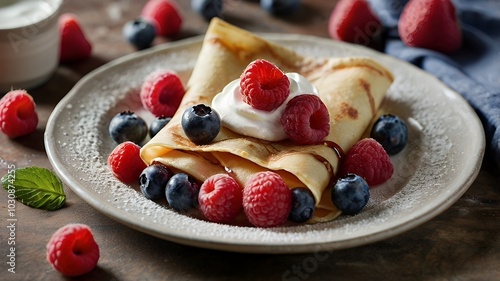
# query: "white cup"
[[29, 42]]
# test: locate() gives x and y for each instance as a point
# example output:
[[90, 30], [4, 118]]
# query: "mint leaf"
[[36, 187]]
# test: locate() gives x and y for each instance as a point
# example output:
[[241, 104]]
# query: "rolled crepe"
[[351, 88]]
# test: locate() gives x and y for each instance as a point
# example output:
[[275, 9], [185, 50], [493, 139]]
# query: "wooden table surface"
[[463, 243]]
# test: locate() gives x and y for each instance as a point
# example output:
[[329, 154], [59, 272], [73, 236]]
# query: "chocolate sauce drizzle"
[[340, 154]]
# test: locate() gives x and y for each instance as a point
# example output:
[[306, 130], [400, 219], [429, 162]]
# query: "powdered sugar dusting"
[[427, 173]]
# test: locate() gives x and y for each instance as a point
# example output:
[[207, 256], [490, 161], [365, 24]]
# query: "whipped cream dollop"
[[243, 119]]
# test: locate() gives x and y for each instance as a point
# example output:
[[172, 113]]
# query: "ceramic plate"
[[441, 160]]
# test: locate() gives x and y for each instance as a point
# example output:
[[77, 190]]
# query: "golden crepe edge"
[[352, 88]]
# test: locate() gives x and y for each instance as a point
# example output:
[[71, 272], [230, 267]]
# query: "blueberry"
[[139, 33], [127, 126], [158, 124], [302, 205], [207, 8], [391, 132], [201, 124], [280, 7], [350, 194], [182, 192], [153, 181]]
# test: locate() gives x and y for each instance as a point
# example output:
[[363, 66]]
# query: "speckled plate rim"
[[456, 183]]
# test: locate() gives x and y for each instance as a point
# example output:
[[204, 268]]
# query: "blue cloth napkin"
[[473, 71]]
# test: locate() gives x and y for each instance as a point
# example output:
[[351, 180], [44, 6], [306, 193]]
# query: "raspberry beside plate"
[[72, 250], [17, 114]]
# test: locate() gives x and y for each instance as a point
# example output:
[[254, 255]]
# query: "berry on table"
[[306, 119], [17, 114], [267, 200], [431, 24], [264, 86], [303, 205], [391, 132], [72, 250], [162, 92], [207, 8], [182, 192], [350, 194], [280, 7], [153, 181], [74, 45], [157, 124], [165, 15], [139, 33], [220, 198], [127, 126], [201, 124], [125, 162], [353, 21], [368, 159]]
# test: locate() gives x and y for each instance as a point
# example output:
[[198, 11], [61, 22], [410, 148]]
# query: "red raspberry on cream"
[[306, 119], [264, 86]]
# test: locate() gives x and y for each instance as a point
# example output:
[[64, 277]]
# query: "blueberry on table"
[[201, 124], [127, 126], [391, 132], [153, 181], [139, 33], [182, 192], [350, 194], [280, 7], [207, 8], [303, 205], [158, 124]]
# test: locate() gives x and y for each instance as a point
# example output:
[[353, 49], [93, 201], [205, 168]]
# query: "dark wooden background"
[[463, 243]]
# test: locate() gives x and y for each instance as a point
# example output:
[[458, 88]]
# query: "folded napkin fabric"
[[473, 71]]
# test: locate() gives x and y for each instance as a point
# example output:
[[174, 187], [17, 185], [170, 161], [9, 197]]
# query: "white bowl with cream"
[[29, 42]]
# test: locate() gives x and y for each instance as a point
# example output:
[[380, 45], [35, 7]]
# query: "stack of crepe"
[[351, 88]]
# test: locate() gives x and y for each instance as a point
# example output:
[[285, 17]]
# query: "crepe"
[[351, 88]]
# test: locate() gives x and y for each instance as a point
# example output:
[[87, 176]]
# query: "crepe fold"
[[351, 88]]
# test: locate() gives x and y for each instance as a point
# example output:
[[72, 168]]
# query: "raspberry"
[[74, 45], [220, 198], [353, 21], [17, 114], [125, 162], [162, 93], [264, 86], [306, 119], [72, 250], [165, 16], [431, 24], [267, 200], [368, 159]]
